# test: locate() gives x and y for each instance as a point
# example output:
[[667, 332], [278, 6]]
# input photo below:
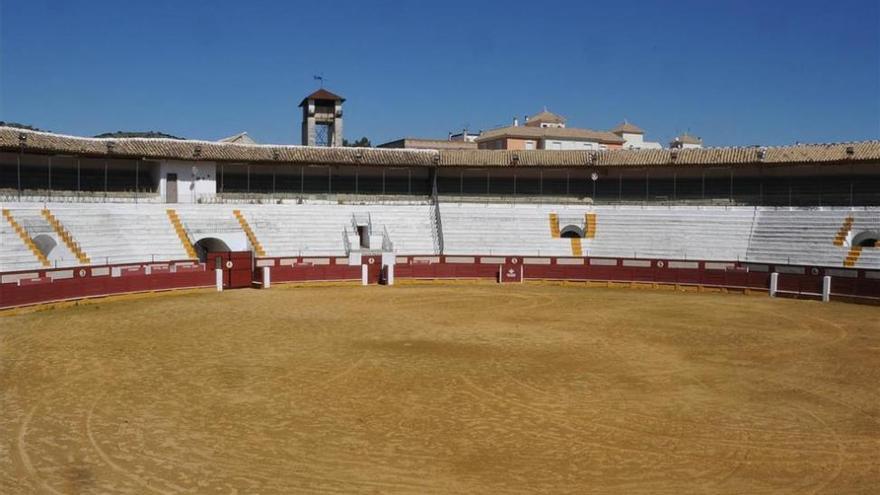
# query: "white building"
[[686, 141], [634, 137]]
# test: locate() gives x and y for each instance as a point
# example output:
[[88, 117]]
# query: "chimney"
[[515, 122]]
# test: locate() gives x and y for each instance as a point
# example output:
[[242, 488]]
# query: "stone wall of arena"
[[43, 286]]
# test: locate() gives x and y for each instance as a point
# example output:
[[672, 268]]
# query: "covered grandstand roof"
[[13, 139]]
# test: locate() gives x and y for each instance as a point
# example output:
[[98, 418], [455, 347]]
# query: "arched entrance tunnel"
[[571, 231], [209, 245], [867, 239]]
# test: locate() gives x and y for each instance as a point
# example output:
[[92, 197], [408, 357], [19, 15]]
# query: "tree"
[[19, 126], [360, 143], [138, 134]]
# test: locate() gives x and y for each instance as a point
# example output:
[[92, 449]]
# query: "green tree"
[[360, 143]]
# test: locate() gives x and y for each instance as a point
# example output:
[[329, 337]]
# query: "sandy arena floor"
[[441, 389]]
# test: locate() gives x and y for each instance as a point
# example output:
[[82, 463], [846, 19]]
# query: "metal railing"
[[387, 245], [346, 241]]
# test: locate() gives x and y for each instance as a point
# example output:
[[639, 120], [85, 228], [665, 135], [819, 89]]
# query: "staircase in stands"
[[65, 236], [554, 225], [590, 231], [840, 238], [852, 256], [22, 233], [258, 248], [181, 233], [576, 247]]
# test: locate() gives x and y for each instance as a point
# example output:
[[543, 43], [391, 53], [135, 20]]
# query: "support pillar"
[[219, 279], [774, 283], [826, 288], [267, 278]]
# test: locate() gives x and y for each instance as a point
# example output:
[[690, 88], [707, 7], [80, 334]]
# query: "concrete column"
[[774, 283], [826, 288], [364, 275], [219, 279], [389, 271], [267, 282]]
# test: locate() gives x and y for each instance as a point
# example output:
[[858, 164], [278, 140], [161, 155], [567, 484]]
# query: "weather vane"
[[319, 78]]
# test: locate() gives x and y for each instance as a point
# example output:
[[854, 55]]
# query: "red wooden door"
[[237, 267], [374, 268]]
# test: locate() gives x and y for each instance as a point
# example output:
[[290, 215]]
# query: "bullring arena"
[[196, 317]]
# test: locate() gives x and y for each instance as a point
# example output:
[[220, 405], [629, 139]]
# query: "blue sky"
[[734, 72]]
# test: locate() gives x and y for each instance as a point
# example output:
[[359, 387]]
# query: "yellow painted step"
[[258, 248], [853, 256], [576, 247], [181, 233], [840, 237], [554, 225], [590, 232]]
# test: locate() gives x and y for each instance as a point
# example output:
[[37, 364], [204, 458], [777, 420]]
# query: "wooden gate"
[[237, 266], [374, 267]]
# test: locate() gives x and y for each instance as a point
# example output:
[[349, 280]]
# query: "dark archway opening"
[[869, 242], [209, 245], [571, 231], [867, 239]]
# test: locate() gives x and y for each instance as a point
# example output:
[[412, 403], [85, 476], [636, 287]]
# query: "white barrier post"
[[364, 277], [267, 282], [219, 273], [389, 274], [826, 288], [774, 283]]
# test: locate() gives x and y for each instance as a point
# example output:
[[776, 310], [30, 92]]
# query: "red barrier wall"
[[89, 281], [46, 286]]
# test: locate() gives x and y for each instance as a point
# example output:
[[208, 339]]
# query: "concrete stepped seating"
[[17, 250], [33, 221], [126, 233], [719, 233], [811, 237], [661, 232], [505, 229], [318, 229], [121, 233]]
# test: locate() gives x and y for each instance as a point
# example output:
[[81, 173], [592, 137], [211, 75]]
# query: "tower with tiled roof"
[[322, 119]]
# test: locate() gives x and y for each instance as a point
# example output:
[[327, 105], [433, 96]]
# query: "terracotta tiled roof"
[[569, 133], [546, 117], [688, 139], [321, 94], [14, 140], [41, 142], [626, 127]]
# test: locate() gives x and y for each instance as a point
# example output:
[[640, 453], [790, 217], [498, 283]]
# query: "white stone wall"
[[194, 179], [561, 144], [637, 141]]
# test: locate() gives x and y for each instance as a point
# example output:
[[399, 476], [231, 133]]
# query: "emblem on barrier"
[[511, 273], [371, 260], [82, 272], [660, 264], [514, 261], [814, 270], [229, 264]]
